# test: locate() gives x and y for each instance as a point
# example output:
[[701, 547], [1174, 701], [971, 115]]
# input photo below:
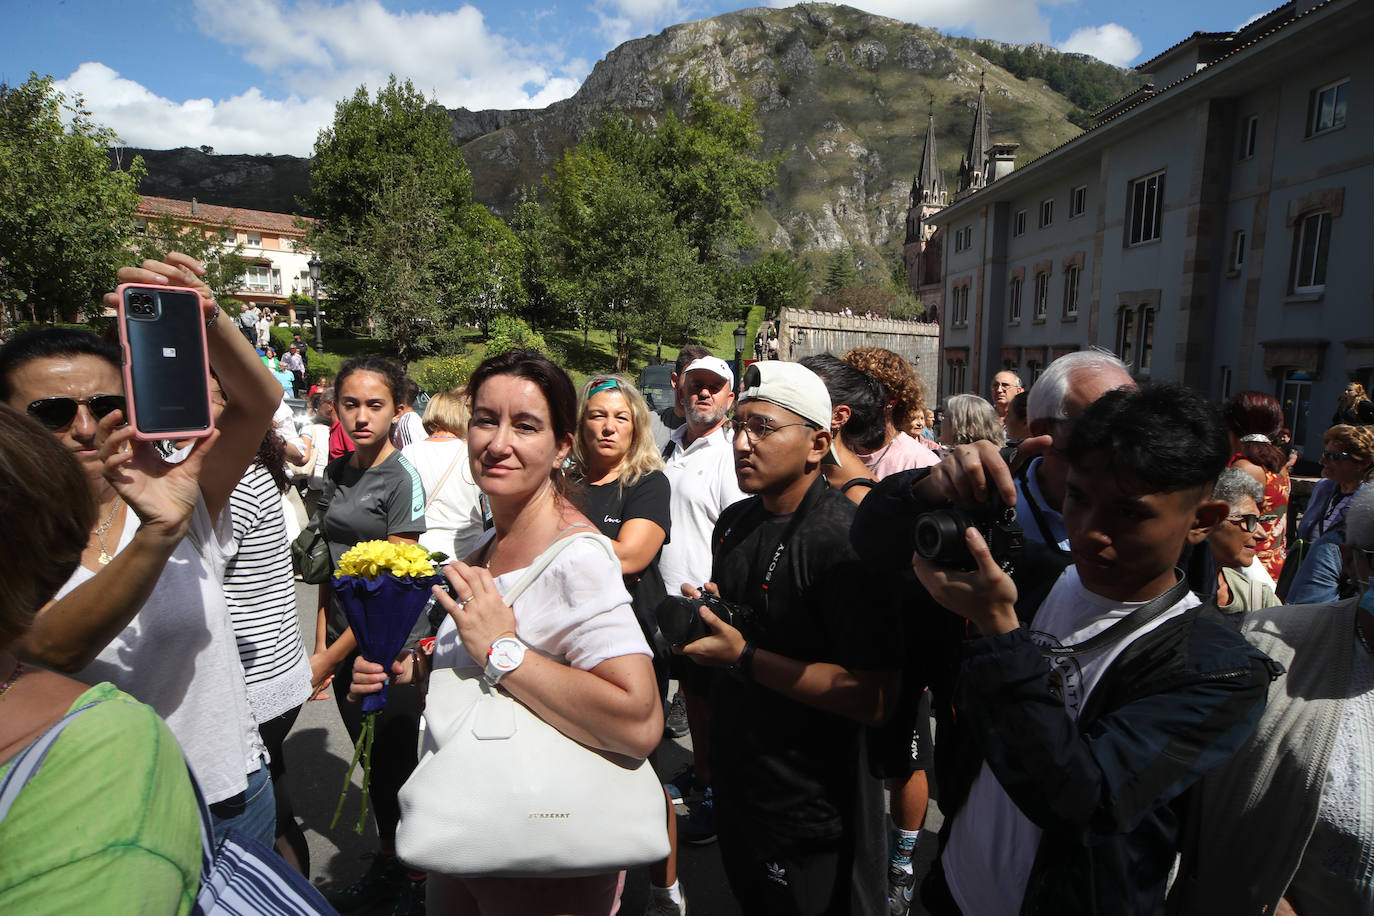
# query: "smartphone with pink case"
[[166, 365]]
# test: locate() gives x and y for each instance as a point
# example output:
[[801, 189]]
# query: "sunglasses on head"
[[56, 413], [602, 384]]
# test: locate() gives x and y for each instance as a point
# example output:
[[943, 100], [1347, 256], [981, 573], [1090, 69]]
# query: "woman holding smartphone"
[[588, 672], [370, 494], [145, 609]]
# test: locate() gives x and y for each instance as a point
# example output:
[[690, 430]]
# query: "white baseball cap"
[[792, 387], [714, 365]]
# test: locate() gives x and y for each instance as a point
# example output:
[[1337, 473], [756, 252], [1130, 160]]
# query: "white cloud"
[[246, 123], [1111, 43], [323, 51], [622, 20]]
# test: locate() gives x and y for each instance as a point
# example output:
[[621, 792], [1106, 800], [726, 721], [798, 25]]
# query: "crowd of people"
[[1080, 585]]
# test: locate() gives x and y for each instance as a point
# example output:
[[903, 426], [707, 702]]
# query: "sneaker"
[[662, 906], [699, 829], [900, 884], [684, 785], [675, 720], [383, 879], [411, 901]]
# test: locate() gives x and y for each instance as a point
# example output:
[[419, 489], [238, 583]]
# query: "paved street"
[[317, 755]]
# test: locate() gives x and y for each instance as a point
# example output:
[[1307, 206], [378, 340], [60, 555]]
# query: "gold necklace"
[[105, 555]]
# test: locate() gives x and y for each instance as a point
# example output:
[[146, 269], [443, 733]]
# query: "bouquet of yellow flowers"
[[382, 588]]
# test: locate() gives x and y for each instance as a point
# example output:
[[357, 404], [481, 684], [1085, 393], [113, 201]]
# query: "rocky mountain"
[[841, 95]]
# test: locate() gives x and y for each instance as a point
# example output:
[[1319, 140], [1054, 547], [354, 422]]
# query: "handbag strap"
[[443, 480], [541, 562], [30, 759]]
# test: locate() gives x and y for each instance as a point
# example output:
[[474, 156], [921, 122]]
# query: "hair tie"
[[1255, 437]]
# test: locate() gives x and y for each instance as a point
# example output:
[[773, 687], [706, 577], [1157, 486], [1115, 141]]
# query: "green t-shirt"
[[109, 824]]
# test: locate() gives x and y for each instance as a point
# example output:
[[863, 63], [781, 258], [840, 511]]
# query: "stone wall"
[[803, 333]]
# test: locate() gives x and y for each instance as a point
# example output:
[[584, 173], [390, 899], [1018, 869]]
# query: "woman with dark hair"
[[858, 421], [589, 672], [1252, 419], [145, 609], [372, 493], [905, 396], [109, 822]]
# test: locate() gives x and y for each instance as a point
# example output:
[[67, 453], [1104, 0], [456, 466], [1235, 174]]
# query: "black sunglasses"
[[1247, 523], [1337, 456], [56, 413]]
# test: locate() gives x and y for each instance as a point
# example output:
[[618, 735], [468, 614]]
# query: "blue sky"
[[262, 76]]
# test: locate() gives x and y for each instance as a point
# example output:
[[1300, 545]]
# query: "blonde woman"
[[453, 504]]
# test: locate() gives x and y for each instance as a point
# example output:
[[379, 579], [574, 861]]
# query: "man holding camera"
[[1081, 716], [800, 818]]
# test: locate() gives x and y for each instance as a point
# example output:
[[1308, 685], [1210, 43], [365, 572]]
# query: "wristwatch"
[[743, 667], [504, 656]]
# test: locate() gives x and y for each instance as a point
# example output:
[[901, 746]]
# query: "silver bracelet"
[[214, 316]]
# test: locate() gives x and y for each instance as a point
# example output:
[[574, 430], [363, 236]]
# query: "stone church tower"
[[928, 196], [974, 167]]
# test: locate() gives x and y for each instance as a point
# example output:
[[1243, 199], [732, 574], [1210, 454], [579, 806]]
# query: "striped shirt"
[[261, 592]]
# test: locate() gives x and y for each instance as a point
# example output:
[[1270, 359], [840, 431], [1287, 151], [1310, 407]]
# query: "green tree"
[[841, 272], [779, 282], [65, 216], [634, 270], [394, 225], [224, 267]]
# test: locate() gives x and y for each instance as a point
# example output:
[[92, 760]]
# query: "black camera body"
[[680, 623], [940, 534]]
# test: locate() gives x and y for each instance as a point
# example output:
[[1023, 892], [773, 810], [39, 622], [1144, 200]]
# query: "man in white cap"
[[799, 817], [701, 470]]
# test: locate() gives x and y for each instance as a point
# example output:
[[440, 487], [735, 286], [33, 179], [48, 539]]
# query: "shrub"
[[511, 333], [441, 373]]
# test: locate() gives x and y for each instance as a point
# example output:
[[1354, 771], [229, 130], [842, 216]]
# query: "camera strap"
[[1040, 521], [1127, 625], [727, 543]]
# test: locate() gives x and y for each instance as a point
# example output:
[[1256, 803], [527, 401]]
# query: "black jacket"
[[1105, 789]]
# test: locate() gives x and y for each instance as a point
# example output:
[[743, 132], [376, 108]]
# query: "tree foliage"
[[224, 268], [65, 216], [779, 282], [646, 222], [841, 272], [1087, 82], [401, 240]]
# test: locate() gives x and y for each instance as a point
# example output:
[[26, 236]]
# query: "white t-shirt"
[[284, 425], [992, 845], [409, 429], [453, 521], [703, 480], [576, 612], [180, 657]]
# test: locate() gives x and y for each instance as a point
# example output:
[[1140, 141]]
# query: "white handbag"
[[508, 795]]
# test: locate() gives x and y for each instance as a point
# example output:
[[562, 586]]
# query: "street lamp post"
[[740, 333], [315, 264]]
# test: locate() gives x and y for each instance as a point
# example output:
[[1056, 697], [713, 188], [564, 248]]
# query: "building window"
[[1224, 385], [1248, 135], [1125, 335], [963, 239], [956, 376], [1238, 249], [1145, 204], [1042, 296], [1078, 201], [1295, 395], [258, 278], [1147, 338], [1046, 213], [958, 314], [1018, 223], [1071, 278], [1034, 368], [1014, 301], [1326, 110], [1310, 251], [253, 239]]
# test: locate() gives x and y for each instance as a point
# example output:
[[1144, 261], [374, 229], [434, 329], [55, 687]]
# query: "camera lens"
[[939, 536]]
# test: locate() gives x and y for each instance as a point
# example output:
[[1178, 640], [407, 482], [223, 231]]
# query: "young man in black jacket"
[[1082, 716], [799, 815]]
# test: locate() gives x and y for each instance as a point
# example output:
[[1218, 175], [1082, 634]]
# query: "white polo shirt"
[[702, 476]]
